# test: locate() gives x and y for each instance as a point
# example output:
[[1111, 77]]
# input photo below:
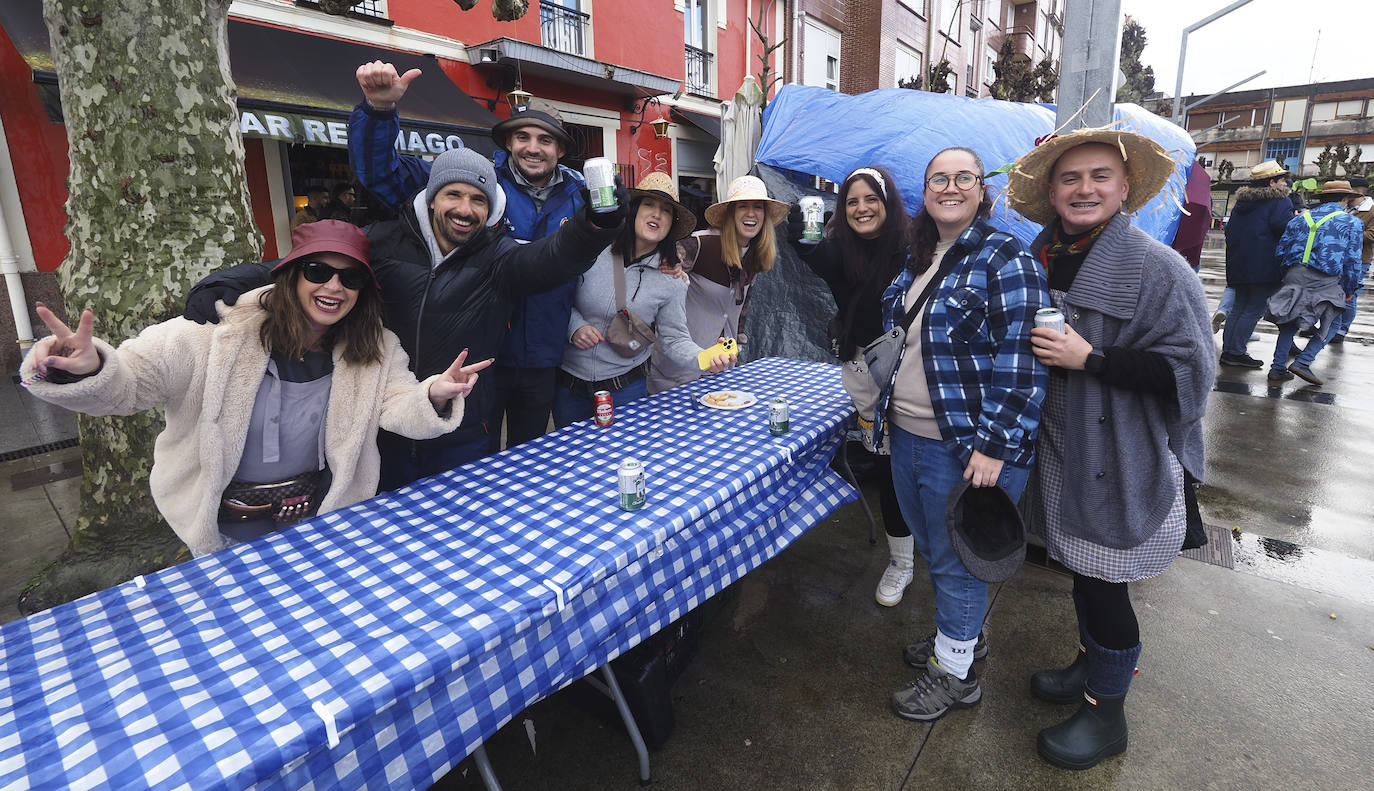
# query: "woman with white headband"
[[862, 249]]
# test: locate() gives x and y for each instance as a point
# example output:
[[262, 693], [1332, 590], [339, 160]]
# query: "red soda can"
[[601, 401]]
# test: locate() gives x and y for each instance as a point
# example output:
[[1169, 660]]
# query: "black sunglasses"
[[320, 272]]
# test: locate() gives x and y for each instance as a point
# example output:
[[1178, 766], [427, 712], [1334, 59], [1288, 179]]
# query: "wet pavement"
[[1254, 675]]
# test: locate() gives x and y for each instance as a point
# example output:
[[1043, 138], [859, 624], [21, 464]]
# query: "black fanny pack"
[[286, 502]]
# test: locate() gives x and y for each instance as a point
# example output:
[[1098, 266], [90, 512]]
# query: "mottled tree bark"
[[157, 199]]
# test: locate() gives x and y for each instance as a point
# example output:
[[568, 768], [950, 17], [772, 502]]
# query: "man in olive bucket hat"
[[541, 195], [1121, 430]]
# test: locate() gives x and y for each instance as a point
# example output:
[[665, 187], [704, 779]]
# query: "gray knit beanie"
[[469, 167]]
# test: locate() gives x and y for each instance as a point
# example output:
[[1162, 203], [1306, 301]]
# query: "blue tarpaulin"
[[828, 134]]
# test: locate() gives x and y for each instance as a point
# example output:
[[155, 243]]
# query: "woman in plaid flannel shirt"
[[964, 405]]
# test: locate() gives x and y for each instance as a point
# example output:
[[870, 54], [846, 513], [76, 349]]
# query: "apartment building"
[[1293, 124], [856, 46]]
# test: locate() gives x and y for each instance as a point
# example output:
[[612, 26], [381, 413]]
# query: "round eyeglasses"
[[964, 180]]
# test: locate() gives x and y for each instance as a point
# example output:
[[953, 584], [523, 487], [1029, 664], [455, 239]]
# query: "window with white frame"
[[906, 64], [563, 25], [989, 58], [821, 61], [1350, 108]]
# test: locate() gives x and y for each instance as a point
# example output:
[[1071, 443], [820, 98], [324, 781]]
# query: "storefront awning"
[[710, 124], [301, 88], [535, 60]]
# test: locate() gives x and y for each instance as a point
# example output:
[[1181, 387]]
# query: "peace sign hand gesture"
[[65, 350], [456, 382]]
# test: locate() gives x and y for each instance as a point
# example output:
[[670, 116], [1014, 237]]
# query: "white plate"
[[738, 399]]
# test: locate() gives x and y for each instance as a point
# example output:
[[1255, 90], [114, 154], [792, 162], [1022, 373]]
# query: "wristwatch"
[[1096, 359]]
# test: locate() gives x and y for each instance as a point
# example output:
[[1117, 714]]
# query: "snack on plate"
[[728, 398]]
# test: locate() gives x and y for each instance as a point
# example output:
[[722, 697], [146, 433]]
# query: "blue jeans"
[[401, 466], [1245, 313], [1289, 331], [570, 407], [1227, 302], [1341, 325], [924, 472]]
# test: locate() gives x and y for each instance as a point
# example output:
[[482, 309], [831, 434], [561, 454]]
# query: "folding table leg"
[[843, 457], [611, 689], [479, 757]]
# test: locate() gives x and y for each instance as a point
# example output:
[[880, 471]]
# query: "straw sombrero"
[[1148, 168], [661, 186], [746, 188]]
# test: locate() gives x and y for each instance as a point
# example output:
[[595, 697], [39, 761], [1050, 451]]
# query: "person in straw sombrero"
[[1121, 434], [720, 264]]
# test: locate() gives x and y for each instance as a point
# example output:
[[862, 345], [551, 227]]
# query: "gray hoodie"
[[654, 297]]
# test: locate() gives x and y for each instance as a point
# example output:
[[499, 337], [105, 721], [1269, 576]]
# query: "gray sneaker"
[[920, 652], [934, 693]]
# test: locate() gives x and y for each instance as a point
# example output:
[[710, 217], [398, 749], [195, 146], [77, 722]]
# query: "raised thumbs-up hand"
[[65, 350], [382, 86]]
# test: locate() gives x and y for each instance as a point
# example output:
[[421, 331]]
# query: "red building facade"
[[611, 67]]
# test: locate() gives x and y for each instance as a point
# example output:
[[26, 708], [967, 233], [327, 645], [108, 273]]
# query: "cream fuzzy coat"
[[207, 377]]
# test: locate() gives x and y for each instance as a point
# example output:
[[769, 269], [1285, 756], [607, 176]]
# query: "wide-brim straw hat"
[[1267, 170], [661, 186], [1148, 168], [1341, 187], [746, 188]]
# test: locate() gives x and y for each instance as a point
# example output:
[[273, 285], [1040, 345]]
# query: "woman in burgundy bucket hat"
[[272, 414]]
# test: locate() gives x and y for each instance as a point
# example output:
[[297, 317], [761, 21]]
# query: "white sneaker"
[[893, 584]]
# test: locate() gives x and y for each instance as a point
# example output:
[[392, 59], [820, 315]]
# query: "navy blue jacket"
[[1252, 235], [539, 323]]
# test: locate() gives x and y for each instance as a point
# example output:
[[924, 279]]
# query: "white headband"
[[878, 177]]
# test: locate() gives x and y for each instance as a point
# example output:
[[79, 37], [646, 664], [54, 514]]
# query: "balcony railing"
[[563, 29], [698, 70]]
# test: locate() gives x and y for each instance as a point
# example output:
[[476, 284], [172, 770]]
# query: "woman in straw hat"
[[600, 355], [1122, 430], [272, 414], [721, 264], [963, 405], [864, 245]]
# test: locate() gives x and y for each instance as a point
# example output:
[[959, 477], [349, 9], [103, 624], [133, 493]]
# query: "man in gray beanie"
[[541, 194], [450, 277]]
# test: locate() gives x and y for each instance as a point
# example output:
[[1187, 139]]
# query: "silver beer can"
[[599, 173], [1050, 317], [779, 416], [631, 485], [813, 217]]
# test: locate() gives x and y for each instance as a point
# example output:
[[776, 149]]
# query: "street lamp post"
[[1183, 52]]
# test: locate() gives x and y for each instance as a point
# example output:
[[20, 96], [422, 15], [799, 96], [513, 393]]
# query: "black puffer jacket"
[[464, 303], [859, 301]]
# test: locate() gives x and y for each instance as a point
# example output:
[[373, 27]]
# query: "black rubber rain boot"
[[1097, 731], [1064, 685]]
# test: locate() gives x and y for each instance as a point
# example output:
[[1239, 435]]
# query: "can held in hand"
[[601, 403], [631, 484], [600, 176], [813, 217], [779, 416], [1050, 317]]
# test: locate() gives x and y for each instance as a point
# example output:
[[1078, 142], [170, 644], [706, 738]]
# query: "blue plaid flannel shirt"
[[985, 383], [1335, 250]]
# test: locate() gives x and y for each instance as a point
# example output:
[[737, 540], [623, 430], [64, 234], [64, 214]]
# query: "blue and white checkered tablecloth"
[[376, 646]]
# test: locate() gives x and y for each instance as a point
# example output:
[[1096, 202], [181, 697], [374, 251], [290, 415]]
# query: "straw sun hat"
[[661, 186], [746, 188], [1148, 168], [1340, 187]]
